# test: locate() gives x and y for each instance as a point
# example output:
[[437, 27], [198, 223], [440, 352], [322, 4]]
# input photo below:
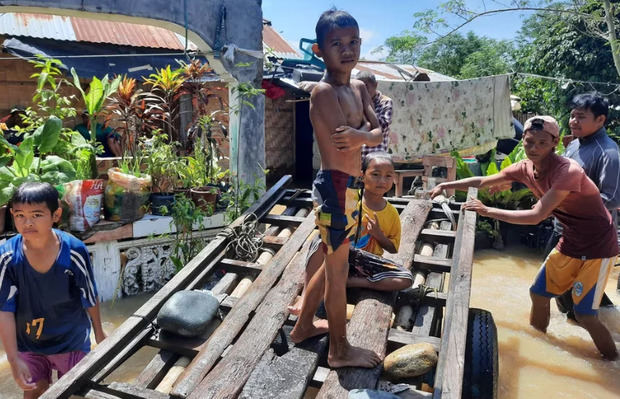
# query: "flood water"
[[561, 364]]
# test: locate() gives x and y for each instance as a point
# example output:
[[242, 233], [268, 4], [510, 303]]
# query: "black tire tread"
[[481, 356]]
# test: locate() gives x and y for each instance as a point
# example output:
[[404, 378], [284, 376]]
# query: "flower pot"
[[126, 196], [2, 218], [161, 203], [205, 198]]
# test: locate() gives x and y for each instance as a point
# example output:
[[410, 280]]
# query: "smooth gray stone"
[[188, 313], [371, 394]]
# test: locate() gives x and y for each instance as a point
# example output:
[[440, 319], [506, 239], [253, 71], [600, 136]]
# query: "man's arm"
[[609, 179], [497, 179], [8, 335], [539, 212], [95, 319]]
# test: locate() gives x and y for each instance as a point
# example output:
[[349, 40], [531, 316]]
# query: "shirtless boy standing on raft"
[[340, 110]]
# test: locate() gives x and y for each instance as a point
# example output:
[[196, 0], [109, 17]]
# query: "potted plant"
[[128, 190], [162, 164], [98, 93], [203, 175], [32, 161]]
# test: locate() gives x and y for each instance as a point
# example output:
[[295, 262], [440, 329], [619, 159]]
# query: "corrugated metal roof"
[[123, 33], [37, 25], [273, 42], [88, 30]]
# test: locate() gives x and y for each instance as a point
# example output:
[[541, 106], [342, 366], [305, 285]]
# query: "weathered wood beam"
[[282, 220], [432, 263], [286, 376], [230, 374], [241, 312], [157, 368], [371, 318], [401, 338], [450, 366]]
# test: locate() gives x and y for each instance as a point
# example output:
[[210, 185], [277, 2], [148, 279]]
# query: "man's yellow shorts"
[[586, 277]]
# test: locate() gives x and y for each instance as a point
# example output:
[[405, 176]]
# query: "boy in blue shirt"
[[48, 296]]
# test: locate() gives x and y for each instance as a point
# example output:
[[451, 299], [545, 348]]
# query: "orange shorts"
[[586, 277]]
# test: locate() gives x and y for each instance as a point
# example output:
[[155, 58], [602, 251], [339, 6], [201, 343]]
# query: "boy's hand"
[[347, 139], [21, 375], [100, 336], [476, 206], [435, 191]]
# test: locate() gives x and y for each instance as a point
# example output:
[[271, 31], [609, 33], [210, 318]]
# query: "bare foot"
[[299, 334], [295, 309], [354, 356]]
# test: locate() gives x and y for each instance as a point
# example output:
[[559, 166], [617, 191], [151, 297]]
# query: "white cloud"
[[373, 55], [366, 35]]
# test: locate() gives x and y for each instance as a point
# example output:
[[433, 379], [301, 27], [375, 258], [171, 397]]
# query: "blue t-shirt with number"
[[50, 308]]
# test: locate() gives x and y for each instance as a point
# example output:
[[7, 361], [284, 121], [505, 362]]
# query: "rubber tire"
[[481, 362]]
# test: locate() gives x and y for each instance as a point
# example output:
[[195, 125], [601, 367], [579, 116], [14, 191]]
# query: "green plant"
[[132, 109], [241, 196], [162, 162], [31, 161], [185, 215], [165, 85], [201, 168]]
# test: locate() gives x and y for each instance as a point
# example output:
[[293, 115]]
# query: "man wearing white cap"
[[587, 250]]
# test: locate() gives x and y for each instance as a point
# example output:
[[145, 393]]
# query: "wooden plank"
[[241, 312], [180, 345], [123, 355], [439, 233], [76, 378], [375, 309], [286, 376], [432, 263], [435, 299], [274, 240], [450, 366], [228, 377], [130, 391], [401, 338], [240, 266], [282, 220], [152, 374]]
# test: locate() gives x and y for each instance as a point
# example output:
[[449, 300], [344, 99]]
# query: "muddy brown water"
[[560, 364]]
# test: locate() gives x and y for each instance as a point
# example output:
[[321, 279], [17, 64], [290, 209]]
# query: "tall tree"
[[467, 56], [599, 18]]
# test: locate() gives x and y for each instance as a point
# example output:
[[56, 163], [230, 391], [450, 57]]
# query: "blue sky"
[[378, 20]]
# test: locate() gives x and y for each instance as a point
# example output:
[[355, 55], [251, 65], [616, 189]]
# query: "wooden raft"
[[248, 354]]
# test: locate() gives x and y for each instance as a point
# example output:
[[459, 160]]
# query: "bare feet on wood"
[[295, 309], [299, 334], [354, 356]]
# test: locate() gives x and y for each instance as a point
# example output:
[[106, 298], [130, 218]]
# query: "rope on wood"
[[245, 240]]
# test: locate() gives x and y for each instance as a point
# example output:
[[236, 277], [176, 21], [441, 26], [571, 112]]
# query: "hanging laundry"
[[438, 117]]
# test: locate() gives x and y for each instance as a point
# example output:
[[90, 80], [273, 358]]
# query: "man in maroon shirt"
[[586, 252]]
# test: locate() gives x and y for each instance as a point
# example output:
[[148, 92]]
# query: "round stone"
[[410, 361]]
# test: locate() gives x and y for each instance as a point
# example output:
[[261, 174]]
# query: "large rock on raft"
[[371, 394], [188, 313], [410, 361]]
